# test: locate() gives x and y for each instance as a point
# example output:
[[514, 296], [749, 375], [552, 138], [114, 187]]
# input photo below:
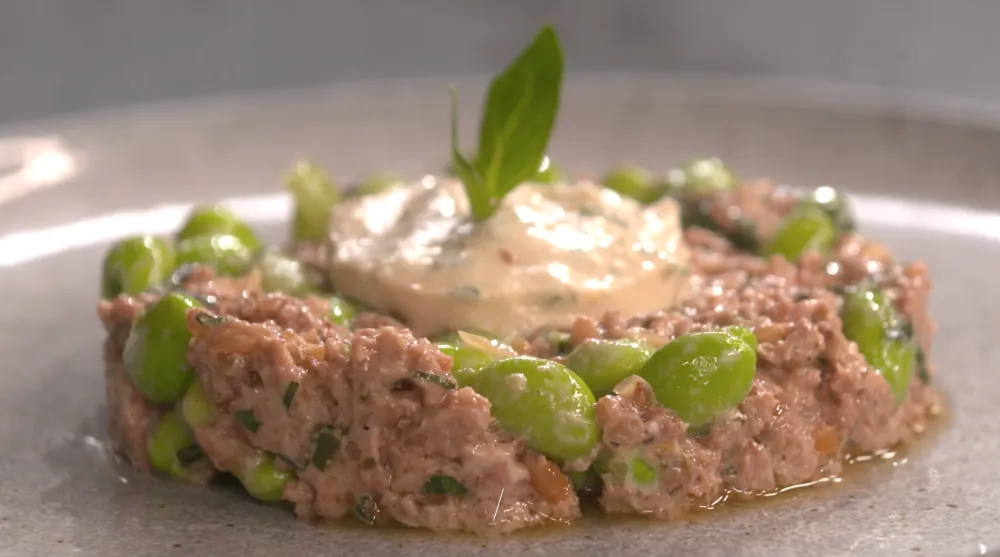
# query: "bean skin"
[[873, 323], [136, 264], [542, 401], [602, 363], [155, 353], [635, 182], [700, 375], [224, 252], [804, 229], [214, 220]]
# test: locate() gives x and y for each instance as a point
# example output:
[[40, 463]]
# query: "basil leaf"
[[520, 112], [518, 117], [478, 193], [444, 485]]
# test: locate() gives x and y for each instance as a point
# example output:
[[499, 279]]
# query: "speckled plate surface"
[[926, 177]]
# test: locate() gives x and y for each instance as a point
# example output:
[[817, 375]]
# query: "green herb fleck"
[[248, 420], [444, 485], [366, 510], [923, 370], [519, 114], [290, 391], [445, 382], [288, 461], [327, 444], [465, 292], [206, 319], [188, 455]]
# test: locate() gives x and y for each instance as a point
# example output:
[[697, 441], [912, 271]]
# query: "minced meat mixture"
[[369, 422]]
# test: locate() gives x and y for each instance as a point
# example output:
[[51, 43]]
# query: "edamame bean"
[[280, 273], [263, 480], [634, 470], [196, 408], [699, 375], [171, 445], [216, 219], [806, 228], [155, 353], [635, 182], [224, 252], [542, 401], [701, 176], [342, 312], [871, 321], [465, 360], [550, 173], [835, 205], [315, 195], [136, 264], [377, 183], [602, 363]]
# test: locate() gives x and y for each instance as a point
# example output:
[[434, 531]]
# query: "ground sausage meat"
[[403, 443]]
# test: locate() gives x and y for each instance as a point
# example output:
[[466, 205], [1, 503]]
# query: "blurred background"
[[60, 56]]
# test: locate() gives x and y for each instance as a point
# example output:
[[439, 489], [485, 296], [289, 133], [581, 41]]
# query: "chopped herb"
[[189, 455], [923, 370], [822, 361], [446, 382], [465, 292], [560, 341], [519, 114], [290, 391], [444, 485], [366, 510], [559, 298], [729, 471], [699, 430], [248, 420], [289, 461], [206, 319], [327, 444]]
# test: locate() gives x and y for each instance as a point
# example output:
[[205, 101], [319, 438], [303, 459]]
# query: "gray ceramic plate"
[[70, 186]]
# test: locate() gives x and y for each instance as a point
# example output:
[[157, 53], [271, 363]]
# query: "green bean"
[[216, 219], [465, 360], [699, 375], [542, 401], [280, 273], [314, 194], [136, 264], [155, 353], [224, 252], [550, 173], [342, 312], [377, 183], [169, 441], [196, 407], [806, 228], [836, 207], [700, 177], [263, 480], [602, 363], [635, 182], [873, 323]]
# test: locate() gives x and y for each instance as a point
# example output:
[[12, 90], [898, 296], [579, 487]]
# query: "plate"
[[923, 173]]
